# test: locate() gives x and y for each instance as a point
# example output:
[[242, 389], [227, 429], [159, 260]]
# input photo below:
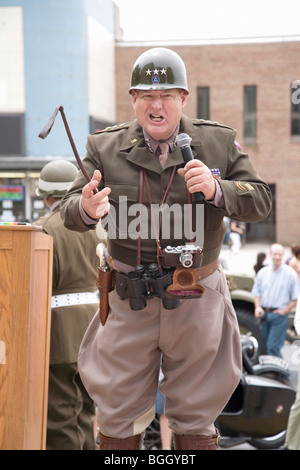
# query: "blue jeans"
[[160, 403], [274, 332]]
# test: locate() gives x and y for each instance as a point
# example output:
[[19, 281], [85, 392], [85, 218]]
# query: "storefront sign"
[[11, 192]]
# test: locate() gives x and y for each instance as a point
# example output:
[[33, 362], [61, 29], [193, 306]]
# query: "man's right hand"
[[259, 312], [95, 205]]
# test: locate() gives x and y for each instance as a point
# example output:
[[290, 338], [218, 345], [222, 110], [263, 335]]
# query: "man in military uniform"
[[198, 340], [71, 411]]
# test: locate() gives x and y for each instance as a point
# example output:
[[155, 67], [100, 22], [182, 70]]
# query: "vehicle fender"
[[260, 369], [239, 294]]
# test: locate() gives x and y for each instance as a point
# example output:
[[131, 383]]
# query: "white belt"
[[78, 298]]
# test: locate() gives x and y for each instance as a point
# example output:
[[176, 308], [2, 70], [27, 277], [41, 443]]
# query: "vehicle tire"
[[249, 324], [269, 443]]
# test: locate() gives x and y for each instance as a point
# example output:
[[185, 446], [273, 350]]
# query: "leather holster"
[[104, 287]]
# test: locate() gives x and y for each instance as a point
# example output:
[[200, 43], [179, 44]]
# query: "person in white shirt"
[[292, 441], [275, 294]]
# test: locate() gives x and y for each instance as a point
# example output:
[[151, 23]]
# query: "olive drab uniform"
[[74, 302], [121, 151], [199, 341]]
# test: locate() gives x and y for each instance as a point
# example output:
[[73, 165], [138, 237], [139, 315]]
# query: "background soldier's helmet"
[[56, 178], [158, 69]]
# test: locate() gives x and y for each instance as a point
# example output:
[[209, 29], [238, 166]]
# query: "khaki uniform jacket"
[[75, 269], [121, 151]]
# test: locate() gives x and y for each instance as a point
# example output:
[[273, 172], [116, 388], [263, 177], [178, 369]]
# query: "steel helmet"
[[158, 69], [56, 178]]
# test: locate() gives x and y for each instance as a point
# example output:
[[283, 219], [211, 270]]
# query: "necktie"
[[164, 149]]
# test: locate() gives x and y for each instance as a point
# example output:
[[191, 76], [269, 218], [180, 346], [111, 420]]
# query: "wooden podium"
[[25, 313]]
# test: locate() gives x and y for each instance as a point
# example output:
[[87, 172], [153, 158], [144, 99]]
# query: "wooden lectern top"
[[19, 226]]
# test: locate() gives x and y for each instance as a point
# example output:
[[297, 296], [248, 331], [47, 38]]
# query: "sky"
[[163, 20]]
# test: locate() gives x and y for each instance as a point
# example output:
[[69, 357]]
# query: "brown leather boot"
[[189, 442], [114, 443]]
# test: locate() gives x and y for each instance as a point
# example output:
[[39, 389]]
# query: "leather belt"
[[201, 273], [270, 309], [77, 298], [207, 270]]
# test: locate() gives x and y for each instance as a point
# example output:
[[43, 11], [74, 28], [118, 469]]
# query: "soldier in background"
[[71, 411]]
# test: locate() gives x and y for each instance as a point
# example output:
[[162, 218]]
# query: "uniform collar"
[[154, 144], [55, 206], [138, 151]]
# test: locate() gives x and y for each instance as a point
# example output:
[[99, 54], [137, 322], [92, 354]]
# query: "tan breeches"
[[198, 345]]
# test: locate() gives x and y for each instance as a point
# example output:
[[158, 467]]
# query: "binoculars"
[[139, 285]]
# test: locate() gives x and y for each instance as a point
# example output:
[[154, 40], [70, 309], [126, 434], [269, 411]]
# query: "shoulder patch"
[[237, 145]]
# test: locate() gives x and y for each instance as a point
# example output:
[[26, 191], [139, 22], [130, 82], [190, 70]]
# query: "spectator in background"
[[236, 234], [275, 292], [261, 257], [165, 431], [292, 441], [294, 261], [293, 247], [227, 240]]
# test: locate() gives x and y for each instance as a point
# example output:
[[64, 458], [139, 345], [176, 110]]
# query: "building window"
[[250, 114], [203, 102], [295, 111], [12, 134]]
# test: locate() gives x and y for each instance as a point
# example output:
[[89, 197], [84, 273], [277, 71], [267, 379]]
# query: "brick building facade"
[[227, 72]]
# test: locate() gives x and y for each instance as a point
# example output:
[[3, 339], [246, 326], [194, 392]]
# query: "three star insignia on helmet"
[[163, 71]]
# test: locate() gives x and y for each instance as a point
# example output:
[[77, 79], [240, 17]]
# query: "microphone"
[[183, 141]]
